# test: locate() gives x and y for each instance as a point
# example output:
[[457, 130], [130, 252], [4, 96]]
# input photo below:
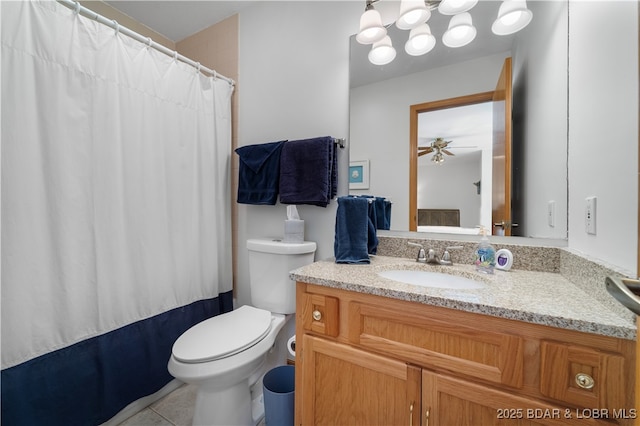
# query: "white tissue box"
[[293, 231]]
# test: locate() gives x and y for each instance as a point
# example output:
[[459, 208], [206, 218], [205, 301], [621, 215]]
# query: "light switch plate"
[[590, 215]]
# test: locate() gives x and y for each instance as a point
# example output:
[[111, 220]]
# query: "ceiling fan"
[[439, 146]]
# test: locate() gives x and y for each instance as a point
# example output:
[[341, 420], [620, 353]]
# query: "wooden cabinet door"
[[449, 401], [342, 385]]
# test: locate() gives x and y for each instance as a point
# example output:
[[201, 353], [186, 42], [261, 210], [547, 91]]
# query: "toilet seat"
[[223, 335]]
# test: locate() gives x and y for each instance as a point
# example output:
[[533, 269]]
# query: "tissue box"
[[293, 231]]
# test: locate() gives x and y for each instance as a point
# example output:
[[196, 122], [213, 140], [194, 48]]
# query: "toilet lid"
[[223, 335]]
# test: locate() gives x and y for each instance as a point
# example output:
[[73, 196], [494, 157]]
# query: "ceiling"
[[469, 128], [177, 20]]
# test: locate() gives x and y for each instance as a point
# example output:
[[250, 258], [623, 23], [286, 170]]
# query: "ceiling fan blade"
[[420, 154], [425, 149], [447, 152]]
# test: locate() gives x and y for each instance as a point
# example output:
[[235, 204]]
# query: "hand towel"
[[308, 172], [259, 173], [383, 213], [355, 235]]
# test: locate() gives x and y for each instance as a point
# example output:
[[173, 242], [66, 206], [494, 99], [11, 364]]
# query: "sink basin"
[[431, 279]]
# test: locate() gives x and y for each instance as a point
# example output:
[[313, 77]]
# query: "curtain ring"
[[149, 41], [175, 55], [116, 26], [77, 9], [198, 67], [215, 75]]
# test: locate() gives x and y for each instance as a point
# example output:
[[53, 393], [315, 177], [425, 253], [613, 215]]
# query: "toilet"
[[226, 355]]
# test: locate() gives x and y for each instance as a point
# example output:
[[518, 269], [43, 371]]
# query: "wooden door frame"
[[415, 110]]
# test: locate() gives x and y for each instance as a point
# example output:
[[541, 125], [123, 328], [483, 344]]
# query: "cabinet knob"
[[317, 315], [584, 381]]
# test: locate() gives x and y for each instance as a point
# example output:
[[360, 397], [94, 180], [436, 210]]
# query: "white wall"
[[293, 83], [450, 186], [540, 119], [603, 128], [380, 122]]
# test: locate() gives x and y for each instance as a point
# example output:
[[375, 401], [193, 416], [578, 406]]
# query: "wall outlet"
[[590, 215], [551, 213]]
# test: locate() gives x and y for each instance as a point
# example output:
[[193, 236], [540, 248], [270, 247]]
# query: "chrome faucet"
[[430, 255]]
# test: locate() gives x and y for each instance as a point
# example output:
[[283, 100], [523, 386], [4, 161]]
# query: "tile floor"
[[175, 409]]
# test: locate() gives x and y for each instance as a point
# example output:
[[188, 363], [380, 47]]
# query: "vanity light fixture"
[[461, 31], [453, 7], [382, 52], [420, 41], [513, 15], [371, 28], [412, 14]]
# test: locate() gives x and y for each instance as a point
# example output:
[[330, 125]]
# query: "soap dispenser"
[[485, 254]]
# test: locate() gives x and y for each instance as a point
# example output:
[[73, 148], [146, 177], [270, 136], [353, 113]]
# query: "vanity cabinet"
[[365, 359]]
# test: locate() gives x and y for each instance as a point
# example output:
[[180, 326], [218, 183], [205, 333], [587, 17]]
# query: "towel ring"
[[149, 41], [77, 9], [116, 26]]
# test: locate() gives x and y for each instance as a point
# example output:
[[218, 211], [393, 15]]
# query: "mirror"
[[381, 98]]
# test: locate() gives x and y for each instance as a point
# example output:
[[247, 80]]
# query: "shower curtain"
[[115, 213]]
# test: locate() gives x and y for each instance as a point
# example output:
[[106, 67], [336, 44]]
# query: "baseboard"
[[142, 403]]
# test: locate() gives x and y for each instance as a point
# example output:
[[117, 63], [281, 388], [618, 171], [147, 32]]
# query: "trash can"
[[279, 390]]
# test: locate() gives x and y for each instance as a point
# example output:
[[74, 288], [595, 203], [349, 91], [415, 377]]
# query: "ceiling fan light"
[[412, 14], [513, 16], [382, 52], [454, 7], [420, 41], [461, 31], [438, 158], [371, 28]]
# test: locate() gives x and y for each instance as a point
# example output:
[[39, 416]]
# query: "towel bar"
[[341, 142]]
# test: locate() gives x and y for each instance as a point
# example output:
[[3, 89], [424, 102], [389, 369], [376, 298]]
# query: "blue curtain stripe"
[[89, 382]]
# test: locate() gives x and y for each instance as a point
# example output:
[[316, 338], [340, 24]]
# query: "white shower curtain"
[[115, 191]]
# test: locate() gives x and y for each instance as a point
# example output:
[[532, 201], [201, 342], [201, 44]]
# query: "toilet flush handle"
[[317, 315]]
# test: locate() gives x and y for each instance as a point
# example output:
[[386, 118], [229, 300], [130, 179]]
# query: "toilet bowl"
[[223, 374], [225, 355]]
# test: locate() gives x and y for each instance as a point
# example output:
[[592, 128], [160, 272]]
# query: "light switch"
[[590, 215]]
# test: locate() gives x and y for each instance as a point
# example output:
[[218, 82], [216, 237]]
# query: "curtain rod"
[[78, 8]]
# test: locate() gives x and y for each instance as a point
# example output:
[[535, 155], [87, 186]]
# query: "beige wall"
[[216, 48]]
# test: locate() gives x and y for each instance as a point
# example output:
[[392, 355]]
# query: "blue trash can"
[[279, 390]]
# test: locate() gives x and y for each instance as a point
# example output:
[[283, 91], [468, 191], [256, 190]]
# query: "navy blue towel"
[[383, 213], [355, 236], [259, 173], [308, 172], [379, 211]]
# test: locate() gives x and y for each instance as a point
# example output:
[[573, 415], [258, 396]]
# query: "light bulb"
[[371, 28], [412, 13], [513, 16], [461, 31], [382, 52], [454, 7], [420, 41]]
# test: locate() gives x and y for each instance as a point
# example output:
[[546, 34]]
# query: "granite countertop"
[[536, 297]]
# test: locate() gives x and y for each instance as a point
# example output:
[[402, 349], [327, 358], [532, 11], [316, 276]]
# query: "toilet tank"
[[270, 261]]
